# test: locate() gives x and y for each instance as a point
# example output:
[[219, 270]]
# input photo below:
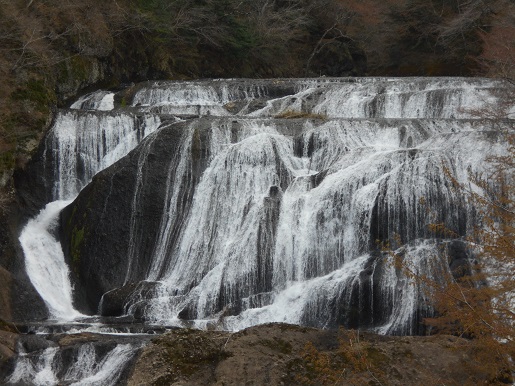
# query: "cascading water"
[[79, 146], [320, 228], [229, 210], [253, 206], [88, 367], [44, 262]]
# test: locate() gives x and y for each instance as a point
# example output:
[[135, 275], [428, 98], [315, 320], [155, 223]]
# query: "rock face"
[[8, 341], [99, 264], [244, 212]]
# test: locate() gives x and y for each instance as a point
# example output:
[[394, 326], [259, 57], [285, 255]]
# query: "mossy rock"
[[7, 160], [279, 345]]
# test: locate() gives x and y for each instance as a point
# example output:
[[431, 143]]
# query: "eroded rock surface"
[[281, 354]]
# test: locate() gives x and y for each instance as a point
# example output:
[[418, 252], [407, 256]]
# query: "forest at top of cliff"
[[55, 50]]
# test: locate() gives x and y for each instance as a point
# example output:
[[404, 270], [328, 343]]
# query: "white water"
[[282, 221], [44, 368], [38, 371], [105, 373], [44, 262], [83, 145], [310, 255], [376, 159], [400, 164], [98, 100]]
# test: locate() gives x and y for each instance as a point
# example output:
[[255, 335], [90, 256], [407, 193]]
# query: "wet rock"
[[114, 302], [32, 342], [459, 259]]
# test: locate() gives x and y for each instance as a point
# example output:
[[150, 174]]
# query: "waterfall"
[[44, 262], [196, 204], [104, 373], [78, 146], [322, 230], [83, 143], [38, 372], [88, 367], [99, 100], [259, 218]]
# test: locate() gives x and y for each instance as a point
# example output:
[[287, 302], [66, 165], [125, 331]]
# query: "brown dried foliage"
[[354, 363]]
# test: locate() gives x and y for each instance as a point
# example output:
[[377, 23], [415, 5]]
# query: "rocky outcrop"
[[280, 354], [34, 183], [275, 354], [97, 263], [8, 341]]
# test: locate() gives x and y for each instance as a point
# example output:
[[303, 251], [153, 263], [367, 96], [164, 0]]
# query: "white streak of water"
[[108, 371], [44, 262], [98, 100], [38, 373], [84, 144], [87, 369]]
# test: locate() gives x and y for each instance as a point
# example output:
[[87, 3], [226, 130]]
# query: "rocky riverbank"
[[281, 354], [273, 354]]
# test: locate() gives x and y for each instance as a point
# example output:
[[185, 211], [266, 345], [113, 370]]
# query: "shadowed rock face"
[[98, 263], [239, 213]]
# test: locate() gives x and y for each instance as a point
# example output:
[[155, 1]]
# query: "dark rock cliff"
[[96, 228]]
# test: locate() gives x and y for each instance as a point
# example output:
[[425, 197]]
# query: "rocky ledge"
[[271, 354], [281, 354]]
